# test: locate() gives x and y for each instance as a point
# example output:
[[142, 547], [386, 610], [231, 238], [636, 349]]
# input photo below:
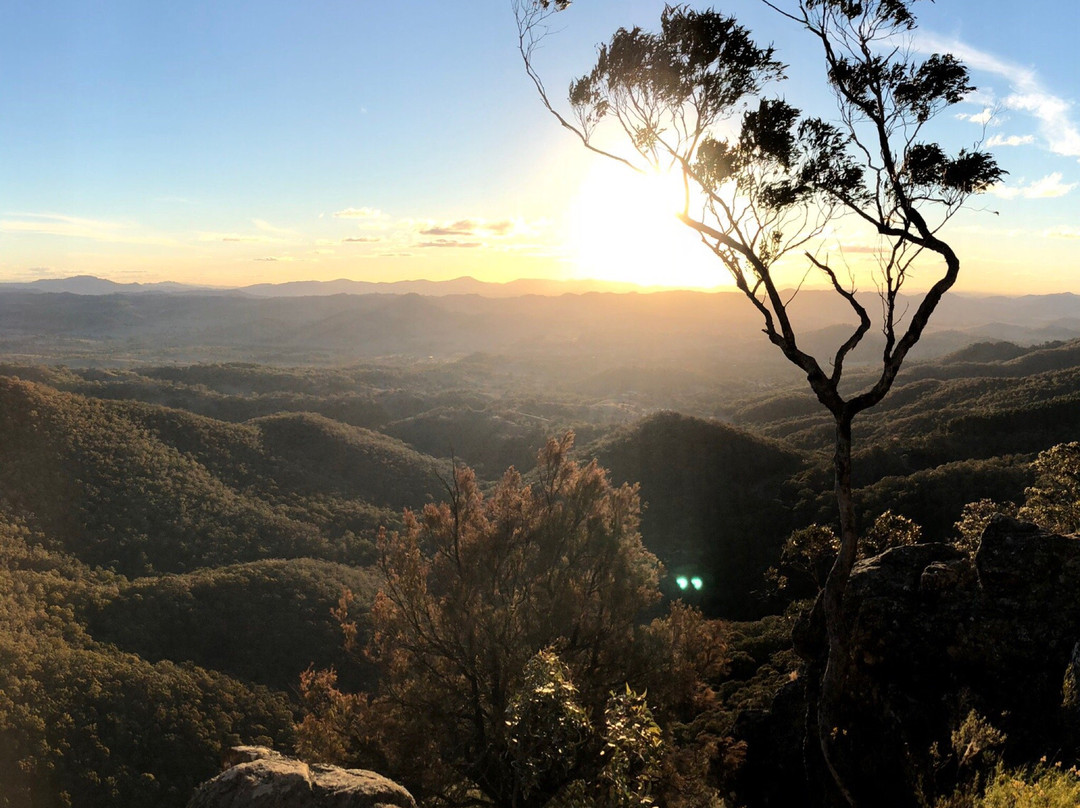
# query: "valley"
[[189, 527]]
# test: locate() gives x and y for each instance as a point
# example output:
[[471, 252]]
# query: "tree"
[[807, 554], [973, 520], [764, 182], [1054, 501], [890, 530], [504, 626]]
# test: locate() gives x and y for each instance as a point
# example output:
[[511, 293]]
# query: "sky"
[[228, 143]]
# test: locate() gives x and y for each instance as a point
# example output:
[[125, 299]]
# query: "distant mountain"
[[91, 285], [88, 320], [458, 286]]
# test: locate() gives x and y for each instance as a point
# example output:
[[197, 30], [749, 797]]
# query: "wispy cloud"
[[470, 227], [446, 242], [1062, 231], [234, 238], [1049, 187], [1027, 93], [275, 258], [266, 227], [358, 213], [44, 272], [1011, 140], [981, 118], [361, 240], [57, 224], [268, 234]]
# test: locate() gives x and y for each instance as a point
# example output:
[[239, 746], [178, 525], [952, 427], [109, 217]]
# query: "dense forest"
[[176, 541]]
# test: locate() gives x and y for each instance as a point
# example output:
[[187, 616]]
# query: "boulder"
[[937, 634], [258, 777]]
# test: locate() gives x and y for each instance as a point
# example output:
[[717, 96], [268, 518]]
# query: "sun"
[[623, 227]]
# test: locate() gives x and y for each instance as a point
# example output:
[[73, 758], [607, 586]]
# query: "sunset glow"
[[624, 228], [209, 145]]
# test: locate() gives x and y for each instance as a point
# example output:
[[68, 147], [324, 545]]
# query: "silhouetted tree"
[[763, 182]]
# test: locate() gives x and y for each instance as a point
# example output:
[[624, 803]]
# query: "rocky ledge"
[[258, 777], [936, 635]]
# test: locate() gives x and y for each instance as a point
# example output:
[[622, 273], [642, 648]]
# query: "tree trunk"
[[833, 600]]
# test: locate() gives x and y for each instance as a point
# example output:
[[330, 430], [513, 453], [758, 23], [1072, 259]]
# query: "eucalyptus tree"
[[765, 186]]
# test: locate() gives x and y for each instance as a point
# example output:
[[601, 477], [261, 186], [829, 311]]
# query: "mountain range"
[[86, 319], [91, 285]]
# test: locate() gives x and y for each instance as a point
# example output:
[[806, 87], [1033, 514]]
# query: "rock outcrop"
[[258, 777], [936, 635]]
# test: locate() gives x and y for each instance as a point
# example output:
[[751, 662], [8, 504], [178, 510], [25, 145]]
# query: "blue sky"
[[235, 142]]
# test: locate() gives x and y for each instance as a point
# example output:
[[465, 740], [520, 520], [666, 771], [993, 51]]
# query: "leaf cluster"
[[476, 586], [662, 87], [1054, 501]]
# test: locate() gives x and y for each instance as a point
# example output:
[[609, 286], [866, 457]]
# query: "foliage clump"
[[805, 559], [513, 654], [1054, 501], [890, 530], [1042, 786], [973, 521]]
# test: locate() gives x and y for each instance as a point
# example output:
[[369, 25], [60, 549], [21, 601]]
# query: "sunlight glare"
[[624, 228]]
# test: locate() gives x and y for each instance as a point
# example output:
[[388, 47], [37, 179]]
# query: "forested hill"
[[714, 500], [139, 488], [173, 538]]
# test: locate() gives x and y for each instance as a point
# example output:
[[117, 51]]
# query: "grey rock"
[[258, 777], [936, 634]]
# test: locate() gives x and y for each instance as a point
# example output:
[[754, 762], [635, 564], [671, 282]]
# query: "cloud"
[[56, 224], [232, 237], [359, 213], [446, 242], [275, 258], [1011, 140], [361, 240], [470, 227], [1062, 231], [1061, 134], [981, 118], [44, 272], [266, 227], [268, 234], [238, 238], [1049, 187], [450, 230]]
